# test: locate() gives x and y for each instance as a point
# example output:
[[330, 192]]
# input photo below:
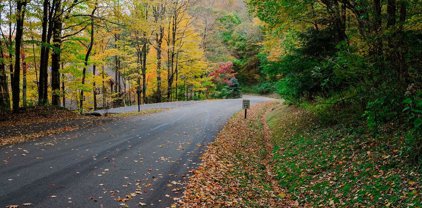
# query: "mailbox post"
[[246, 106]]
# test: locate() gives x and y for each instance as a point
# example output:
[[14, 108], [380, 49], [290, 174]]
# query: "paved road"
[[147, 158]]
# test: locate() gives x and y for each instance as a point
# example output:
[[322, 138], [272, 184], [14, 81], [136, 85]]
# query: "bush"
[[412, 148], [263, 88]]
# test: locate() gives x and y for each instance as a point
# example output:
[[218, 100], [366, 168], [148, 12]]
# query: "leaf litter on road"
[[234, 170]]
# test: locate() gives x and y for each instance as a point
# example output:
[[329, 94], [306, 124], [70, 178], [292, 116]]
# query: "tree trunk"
[[173, 51], [94, 87], [177, 76], [377, 45], [88, 53], [35, 61], [119, 80], [116, 75], [129, 93], [394, 54], [24, 82], [4, 89], [63, 91], [45, 51], [104, 88], [391, 13], [159, 12], [159, 40], [168, 61], [402, 49], [20, 16], [377, 15], [55, 55], [144, 71], [10, 45], [139, 70]]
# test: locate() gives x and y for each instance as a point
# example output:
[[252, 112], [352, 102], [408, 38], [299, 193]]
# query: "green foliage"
[[378, 112], [242, 40], [235, 88], [228, 91], [311, 70], [263, 88], [412, 147], [340, 165], [413, 141], [414, 110]]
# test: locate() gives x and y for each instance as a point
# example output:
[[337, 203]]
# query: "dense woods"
[[344, 130], [347, 61], [93, 54], [342, 59]]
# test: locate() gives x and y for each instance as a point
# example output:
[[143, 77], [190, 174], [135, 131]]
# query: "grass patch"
[[340, 164]]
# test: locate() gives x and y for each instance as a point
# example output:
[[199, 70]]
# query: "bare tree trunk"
[[172, 53], [402, 49], [94, 87], [177, 76], [144, 71], [159, 40], [139, 71], [104, 88], [88, 53], [10, 45], [4, 89], [20, 16], [45, 51], [168, 61], [34, 60], [55, 55], [391, 13], [24, 82], [116, 75], [119, 75], [129, 93], [158, 15], [377, 48], [63, 91]]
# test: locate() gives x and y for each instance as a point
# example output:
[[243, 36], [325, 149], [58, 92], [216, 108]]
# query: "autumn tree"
[[87, 55], [20, 17], [4, 89], [159, 11], [111, 53]]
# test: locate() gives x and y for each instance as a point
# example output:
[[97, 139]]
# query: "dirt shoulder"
[[235, 171]]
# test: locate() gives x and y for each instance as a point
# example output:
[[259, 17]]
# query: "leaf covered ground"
[[39, 122], [235, 171], [340, 165], [301, 162]]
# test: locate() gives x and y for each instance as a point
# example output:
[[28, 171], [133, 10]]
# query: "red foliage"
[[223, 73]]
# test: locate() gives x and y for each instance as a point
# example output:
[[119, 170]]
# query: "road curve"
[[147, 158]]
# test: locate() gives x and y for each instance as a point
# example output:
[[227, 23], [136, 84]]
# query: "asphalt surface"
[[148, 158]]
